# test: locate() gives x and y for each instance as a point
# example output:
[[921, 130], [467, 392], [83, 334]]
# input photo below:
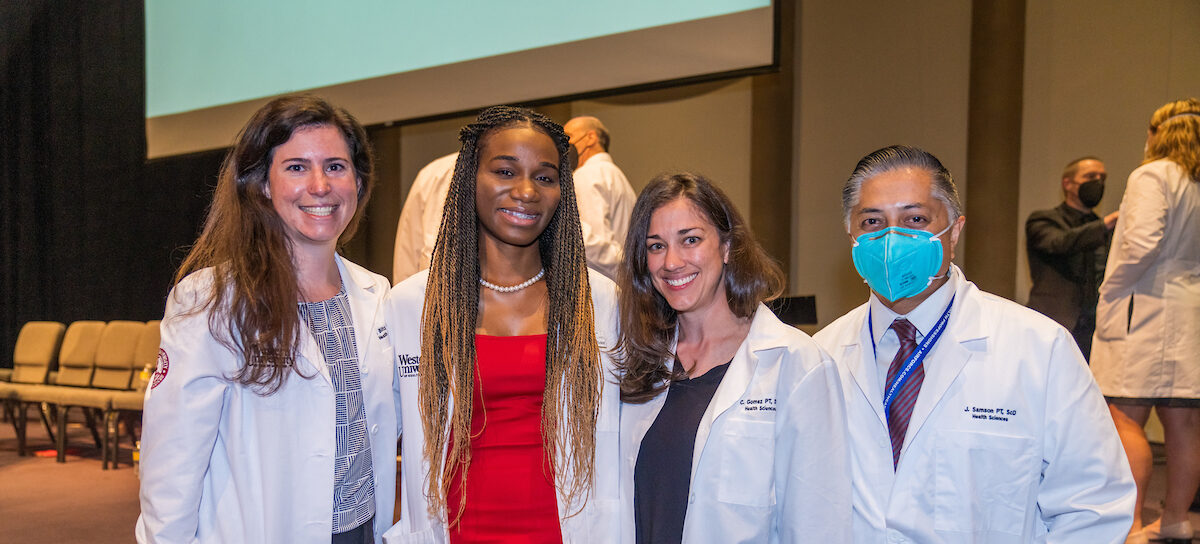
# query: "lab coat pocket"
[[747, 463], [1181, 298], [430, 535], [982, 482], [1112, 318]]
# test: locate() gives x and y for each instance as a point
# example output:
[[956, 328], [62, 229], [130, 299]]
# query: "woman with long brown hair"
[[270, 417], [509, 429], [732, 428], [1146, 352]]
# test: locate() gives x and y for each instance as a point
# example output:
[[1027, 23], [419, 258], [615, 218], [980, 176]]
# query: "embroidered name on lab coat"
[[764, 404], [989, 413], [408, 364]]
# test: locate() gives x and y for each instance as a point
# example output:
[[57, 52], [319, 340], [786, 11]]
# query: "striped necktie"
[[900, 410]]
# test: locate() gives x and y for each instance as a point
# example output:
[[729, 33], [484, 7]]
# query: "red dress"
[[510, 483]]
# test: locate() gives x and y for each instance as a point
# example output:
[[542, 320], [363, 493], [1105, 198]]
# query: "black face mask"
[[1090, 193]]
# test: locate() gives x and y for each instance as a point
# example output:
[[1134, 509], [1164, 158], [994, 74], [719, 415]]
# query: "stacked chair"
[[35, 354], [76, 361], [97, 363], [145, 355], [92, 392]]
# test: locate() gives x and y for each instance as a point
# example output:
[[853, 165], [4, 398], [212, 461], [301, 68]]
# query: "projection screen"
[[210, 64]]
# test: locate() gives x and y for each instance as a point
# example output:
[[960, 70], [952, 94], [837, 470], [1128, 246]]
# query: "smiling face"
[[686, 258], [517, 186], [313, 187]]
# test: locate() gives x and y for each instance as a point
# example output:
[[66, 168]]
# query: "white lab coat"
[[1153, 266], [770, 463], [1009, 440], [595, 522], [221, 463], [605, 201], [417, 230]]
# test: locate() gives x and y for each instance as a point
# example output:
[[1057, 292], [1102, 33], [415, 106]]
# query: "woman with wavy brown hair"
[[509, 429], [1146, 351], [270, 417], [732, 428]]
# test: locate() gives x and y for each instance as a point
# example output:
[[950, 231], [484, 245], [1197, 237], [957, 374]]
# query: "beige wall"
[[1094, 72], [703, 128], [867, 75], [870, 75]]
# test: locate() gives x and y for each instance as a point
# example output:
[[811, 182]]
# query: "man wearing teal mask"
[[971, 418]]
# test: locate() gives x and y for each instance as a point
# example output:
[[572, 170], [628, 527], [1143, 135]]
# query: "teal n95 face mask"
[[898, 262]]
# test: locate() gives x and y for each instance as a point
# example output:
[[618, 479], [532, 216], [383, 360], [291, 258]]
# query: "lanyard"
[[914, 360]]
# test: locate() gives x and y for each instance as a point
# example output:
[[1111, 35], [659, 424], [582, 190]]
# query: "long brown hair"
[[254, 288], [1176, 129], [571, 400], [647, 320]]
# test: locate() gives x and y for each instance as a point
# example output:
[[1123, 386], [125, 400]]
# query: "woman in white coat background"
[[509, 422], [1147, 344], [732, 429], [270, 416]]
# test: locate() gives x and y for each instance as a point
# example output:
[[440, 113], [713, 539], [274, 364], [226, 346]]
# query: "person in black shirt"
[[733, 425], [1067, 247]]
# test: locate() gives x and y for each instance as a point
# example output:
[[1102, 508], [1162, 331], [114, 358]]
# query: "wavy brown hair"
[[647, 320], [446, 374], [254, 288], [1176, 130]]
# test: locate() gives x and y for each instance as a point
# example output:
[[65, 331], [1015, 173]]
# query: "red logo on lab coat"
[[160, 372]]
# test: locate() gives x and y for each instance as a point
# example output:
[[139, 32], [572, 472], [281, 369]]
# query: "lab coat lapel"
[[364, 308], [310, 354], [859, 359], [947, 358], [737, 378]]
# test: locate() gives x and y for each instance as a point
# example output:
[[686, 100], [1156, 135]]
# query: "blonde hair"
[[1176, 130]]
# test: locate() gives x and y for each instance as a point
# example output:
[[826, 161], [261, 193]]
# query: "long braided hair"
[[446, 374]]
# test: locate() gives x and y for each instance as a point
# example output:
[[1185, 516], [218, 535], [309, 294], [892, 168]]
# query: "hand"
[[1110, 220]]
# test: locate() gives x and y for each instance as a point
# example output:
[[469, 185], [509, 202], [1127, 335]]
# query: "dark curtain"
[[88, 228], [85, 233]]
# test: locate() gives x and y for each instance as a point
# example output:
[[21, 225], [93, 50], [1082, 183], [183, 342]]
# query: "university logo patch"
[[160, 371]]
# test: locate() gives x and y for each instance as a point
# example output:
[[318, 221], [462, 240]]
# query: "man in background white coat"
[[971, 418], [604, 195], [420, 218]]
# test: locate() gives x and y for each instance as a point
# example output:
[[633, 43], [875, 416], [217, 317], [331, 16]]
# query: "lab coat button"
[[692, 498], [374, 429], [364, 369]]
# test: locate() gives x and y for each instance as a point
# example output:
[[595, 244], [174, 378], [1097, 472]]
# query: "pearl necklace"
[[514, 288]]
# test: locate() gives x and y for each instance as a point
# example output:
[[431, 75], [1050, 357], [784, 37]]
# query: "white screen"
[[210, 63]]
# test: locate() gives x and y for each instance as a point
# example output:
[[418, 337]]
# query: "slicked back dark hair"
[[572, 395], [895, 157]]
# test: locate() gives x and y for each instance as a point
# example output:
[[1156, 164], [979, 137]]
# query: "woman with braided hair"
[[509, 429]]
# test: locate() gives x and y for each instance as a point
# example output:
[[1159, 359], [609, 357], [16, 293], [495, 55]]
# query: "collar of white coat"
[[924, 316], [360, 287], [356, 278], [602, 156], [766, 332], [967, 321]]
